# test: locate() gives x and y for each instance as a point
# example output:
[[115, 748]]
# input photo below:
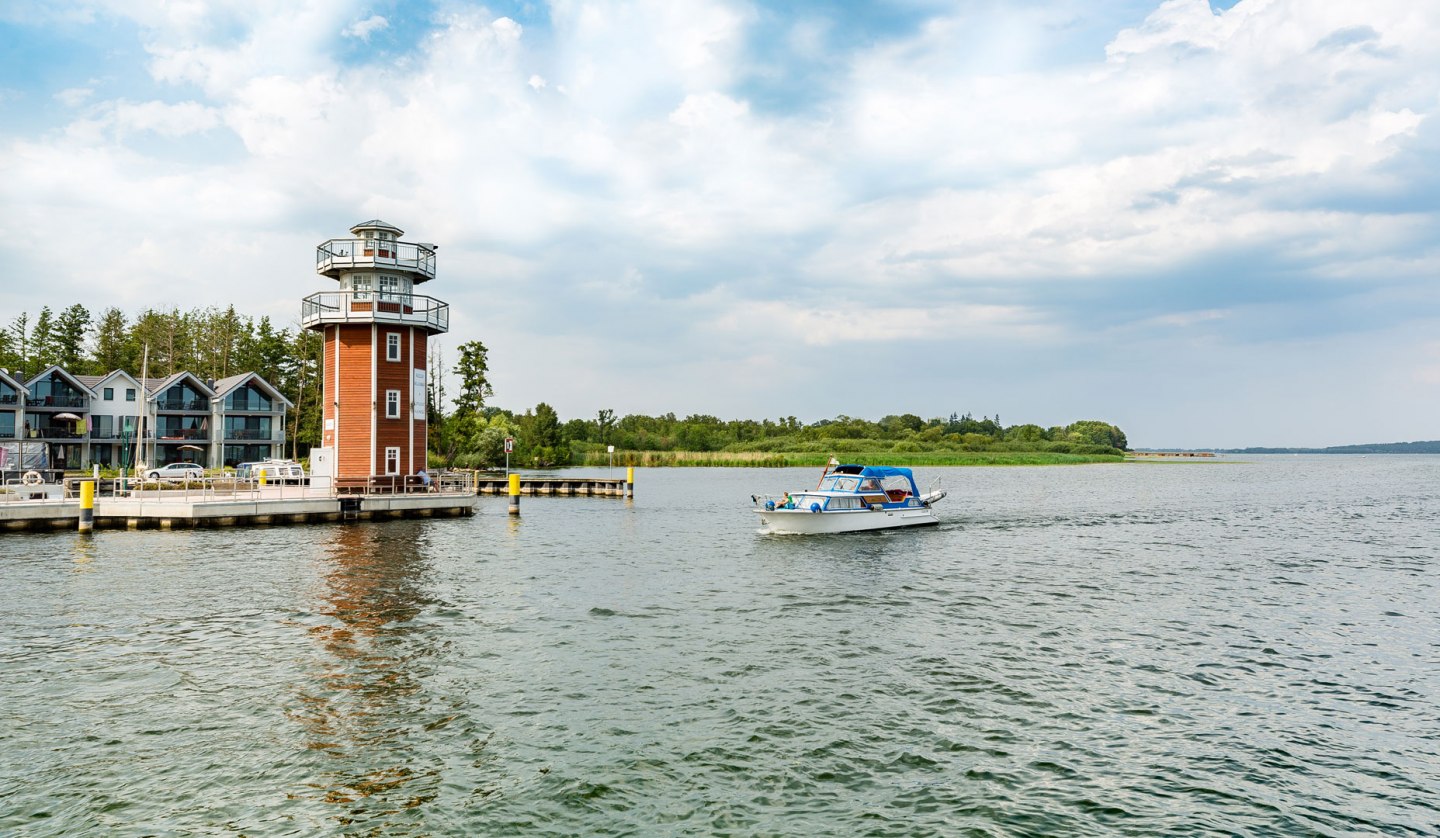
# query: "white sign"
[[610, 449], [509, 444], [417, 395]]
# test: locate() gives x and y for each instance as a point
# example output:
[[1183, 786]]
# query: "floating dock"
[[218, 506]]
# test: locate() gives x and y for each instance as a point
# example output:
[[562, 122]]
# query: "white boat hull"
[[805, 522]]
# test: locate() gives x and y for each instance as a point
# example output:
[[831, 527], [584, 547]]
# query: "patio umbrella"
[[191, 448], [69, 417]]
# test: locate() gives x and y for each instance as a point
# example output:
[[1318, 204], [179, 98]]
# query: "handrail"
[[230, 487], [342, 253], [374, 306]]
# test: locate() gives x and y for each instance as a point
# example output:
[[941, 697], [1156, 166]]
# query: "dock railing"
[[229, 487]]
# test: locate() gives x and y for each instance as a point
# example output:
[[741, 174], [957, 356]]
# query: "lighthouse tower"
[[377, 332]]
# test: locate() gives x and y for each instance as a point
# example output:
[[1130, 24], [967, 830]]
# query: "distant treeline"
[[1427, 447], [476, 440]]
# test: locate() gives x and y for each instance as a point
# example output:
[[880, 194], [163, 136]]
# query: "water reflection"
[[364, 705]]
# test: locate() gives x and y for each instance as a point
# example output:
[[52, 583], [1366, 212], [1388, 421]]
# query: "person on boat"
[[787, 502]]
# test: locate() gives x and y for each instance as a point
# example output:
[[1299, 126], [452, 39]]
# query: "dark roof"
[[376, 223]]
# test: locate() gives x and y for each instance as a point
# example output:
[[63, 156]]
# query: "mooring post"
[[87, 505], [514, 494], [630, 482]]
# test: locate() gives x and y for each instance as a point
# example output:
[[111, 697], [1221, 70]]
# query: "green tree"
[[43, 349], [540, 436], [473, 369], [1094, 432], [113, 348], [70, 330]]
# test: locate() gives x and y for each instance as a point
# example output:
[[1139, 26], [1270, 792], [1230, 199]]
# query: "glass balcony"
[[190, 405], [372, 307]]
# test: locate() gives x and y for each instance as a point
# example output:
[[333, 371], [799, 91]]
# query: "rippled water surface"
[[1182, 649]]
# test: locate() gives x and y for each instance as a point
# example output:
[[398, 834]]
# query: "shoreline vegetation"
[[794, 459]]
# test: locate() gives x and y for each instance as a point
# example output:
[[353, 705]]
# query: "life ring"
[[32, 478]]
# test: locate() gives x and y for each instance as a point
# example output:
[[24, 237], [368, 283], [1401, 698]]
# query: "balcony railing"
[[373, 307], [342, 254], [183, 404], [251, 407], [253, 433], [56, 433], [59, 402], [177, 434], [9, 398]]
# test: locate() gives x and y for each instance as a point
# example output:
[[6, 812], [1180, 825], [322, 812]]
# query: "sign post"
[[509, 446], [611, 451]]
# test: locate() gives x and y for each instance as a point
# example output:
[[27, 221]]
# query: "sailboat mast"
[[140, 411]]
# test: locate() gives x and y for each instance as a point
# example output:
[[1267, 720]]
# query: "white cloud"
[[74, 96], [363, 29]]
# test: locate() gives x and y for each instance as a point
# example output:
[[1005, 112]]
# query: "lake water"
[[1246, 648]]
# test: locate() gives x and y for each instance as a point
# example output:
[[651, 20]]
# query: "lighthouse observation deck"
[[375, 307], [339, 255]]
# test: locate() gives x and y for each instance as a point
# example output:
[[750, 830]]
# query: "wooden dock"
[[599, 487]]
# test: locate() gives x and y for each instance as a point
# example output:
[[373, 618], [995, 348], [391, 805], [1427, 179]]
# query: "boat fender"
[[875, 507], [769, 506], [32, 478], [815, 507]]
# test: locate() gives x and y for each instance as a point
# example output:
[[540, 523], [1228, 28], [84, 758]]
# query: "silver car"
[[176, 471]]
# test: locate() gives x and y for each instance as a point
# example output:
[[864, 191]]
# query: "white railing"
[[374, 307], [339, 254], [229, 488]]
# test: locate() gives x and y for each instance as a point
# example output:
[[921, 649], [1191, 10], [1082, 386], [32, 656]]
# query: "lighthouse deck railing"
[[342, 254], [374, 306]]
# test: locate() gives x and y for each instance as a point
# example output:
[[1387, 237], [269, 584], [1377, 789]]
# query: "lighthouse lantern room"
[[377, 332]]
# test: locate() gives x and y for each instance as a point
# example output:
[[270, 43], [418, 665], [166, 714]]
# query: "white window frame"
[[392, 346], [392, 459], [392, 404]]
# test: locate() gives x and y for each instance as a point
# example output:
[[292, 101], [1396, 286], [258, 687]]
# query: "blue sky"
[[1214, 224]]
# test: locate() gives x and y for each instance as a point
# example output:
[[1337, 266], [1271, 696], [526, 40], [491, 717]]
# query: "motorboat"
[[851, 498]]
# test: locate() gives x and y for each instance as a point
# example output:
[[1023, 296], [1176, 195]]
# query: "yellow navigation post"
[[514, 494], [87, 505], [630, 482]]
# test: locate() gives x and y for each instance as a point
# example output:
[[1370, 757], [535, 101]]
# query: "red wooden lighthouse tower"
[[377, 331]]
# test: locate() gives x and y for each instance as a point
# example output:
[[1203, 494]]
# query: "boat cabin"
[[896, 484]]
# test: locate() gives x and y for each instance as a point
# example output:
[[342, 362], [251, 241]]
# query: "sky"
[[1210, 223]]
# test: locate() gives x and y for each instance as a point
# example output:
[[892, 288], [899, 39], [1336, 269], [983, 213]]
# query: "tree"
[[43, 350], [113, 349], [540, 435], [473, 369], [1094, 432], [69, 337], [604, 421]]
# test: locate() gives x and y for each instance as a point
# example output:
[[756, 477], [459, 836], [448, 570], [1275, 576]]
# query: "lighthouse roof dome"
[[376, 224]]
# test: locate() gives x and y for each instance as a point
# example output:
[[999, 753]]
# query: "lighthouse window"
[[361, 285], [392, 404], [392, 346], [389, 287], [392, 460]]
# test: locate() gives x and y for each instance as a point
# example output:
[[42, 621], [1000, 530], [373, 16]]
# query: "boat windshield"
[[840, 483]]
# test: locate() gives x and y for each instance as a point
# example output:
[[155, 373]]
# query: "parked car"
[[176, 471], [274, 471]]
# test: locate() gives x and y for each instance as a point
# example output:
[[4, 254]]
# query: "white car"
[[176, 471]]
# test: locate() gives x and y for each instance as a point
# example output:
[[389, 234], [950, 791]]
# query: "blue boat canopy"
[[873, 471]]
